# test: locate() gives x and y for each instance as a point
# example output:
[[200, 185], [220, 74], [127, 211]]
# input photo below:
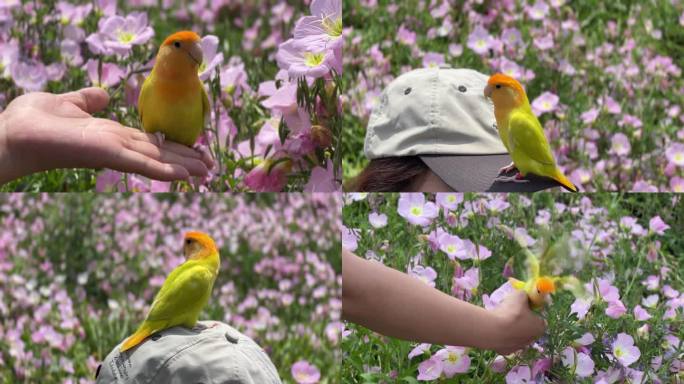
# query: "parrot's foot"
[[160, 138], [508, 168], [518, 178]]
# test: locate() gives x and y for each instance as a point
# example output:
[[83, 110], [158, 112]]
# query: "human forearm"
[[395, 304]]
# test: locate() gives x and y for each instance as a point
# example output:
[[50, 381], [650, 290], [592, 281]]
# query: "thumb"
[[89, 100]]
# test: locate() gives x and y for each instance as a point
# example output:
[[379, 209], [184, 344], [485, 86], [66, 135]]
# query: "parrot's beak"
[[196, 53], [488, 91]]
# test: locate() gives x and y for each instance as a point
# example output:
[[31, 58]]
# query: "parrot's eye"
[[498, 86], [176, 44], [188, 241]]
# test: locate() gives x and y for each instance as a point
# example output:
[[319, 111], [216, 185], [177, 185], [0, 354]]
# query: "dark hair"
[[389, 174]]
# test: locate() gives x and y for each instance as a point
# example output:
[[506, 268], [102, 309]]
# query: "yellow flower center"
[[453, 358], [332, 27], [546, 105], [125, 37], [678, 158], [679, 188], [451, 248], [416, 211], [451, 199], [619, 352], [313, 59]]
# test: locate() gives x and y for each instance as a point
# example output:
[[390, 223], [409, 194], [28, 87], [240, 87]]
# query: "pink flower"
[[31, 75], [469, 281], [323, 180], [641, 314], [419, 350], [454, 360], [433, 59], [406, 36], [118, 35], [424, 274], [415, 210], [304, 372], [269, 176], [480, 40], [615, 309], [211, 58], [620, 145], [546, 102], [111, 74], [377, 220], [677, 184], [538, 11], [448, 201], [430, 369], [452, 245], [520, 374], [612, 106], [299, 62], [624, 349], [349, 239], [675, 154], [583, 366], [323, 29], [580, 307], [589, 116], [491, 302], [657, 225]]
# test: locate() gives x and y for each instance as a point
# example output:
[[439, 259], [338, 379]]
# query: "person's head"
[[434, 130], [211, 352], [397, 174]]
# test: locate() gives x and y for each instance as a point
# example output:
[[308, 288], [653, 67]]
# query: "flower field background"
[[78, 273], [605, 78], [628, 250], [271, 70]]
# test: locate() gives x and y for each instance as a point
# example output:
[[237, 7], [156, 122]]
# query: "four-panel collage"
[[341, 191]]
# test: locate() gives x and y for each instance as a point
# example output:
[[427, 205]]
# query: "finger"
[[167, 145], [192, 164], [89, 100], [180, 149], [132, 161]]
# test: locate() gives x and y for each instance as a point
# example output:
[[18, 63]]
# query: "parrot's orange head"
[[198, 245], [180, 54], [505, 91], [546, 285]]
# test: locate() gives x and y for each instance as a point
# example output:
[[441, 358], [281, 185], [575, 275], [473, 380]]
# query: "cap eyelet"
[[407, 91], [156, 336], [462, 89], [231, 339]]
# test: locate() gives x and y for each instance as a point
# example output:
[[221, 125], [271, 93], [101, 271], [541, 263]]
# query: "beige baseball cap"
[[441, 115], [211, 352]]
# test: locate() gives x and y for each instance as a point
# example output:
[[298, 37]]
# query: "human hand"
[[43, 131], [518, 325]]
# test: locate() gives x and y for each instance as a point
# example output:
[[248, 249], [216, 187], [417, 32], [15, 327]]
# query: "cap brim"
[[478, 173]]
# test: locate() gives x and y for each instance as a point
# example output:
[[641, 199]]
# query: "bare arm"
[[397, 305]]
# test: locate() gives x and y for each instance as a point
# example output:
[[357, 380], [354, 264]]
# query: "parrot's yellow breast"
[[173, 108]]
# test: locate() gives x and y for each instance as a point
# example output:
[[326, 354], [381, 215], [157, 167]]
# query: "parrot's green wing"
[[144, 91], [182, 291], [527, 136], [205, 107], [531, 260], [572, 284]]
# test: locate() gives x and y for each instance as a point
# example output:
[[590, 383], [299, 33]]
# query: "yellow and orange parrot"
[[185, 292], [540, 281], [521, 132], [173, 103]]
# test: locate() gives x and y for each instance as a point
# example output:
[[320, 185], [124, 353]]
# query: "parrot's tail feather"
[[136, 338], [567, 184]]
